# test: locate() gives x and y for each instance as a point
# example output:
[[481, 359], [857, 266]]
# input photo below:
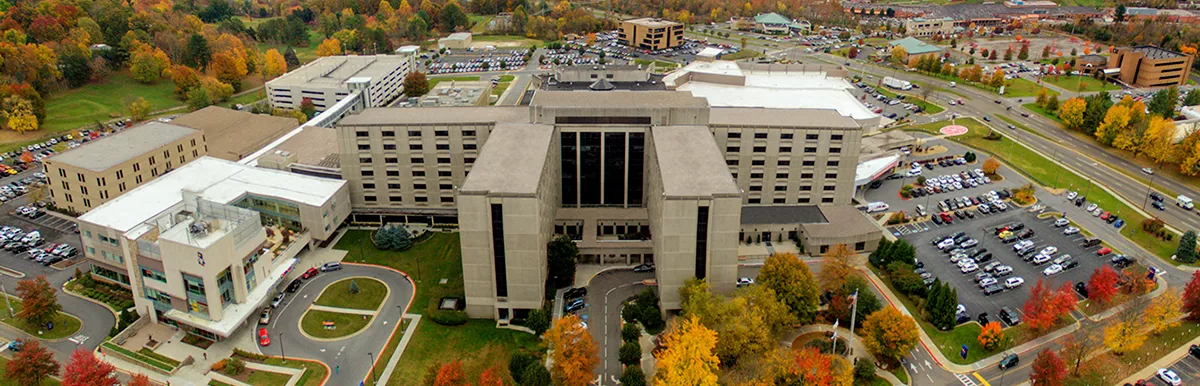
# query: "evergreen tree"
[[1192, 98], [198, 54], [1163, 102], [403, 238], [1186, 253], [289, 56], [353, 287]]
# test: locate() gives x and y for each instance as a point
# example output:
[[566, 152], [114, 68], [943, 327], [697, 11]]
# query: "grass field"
[[347, 324], [4, 381], [1053, 116], [266, 378], [1021, 87], [1047, 173], [244, 99], [1072, 83], [370, 294], [312, 377], [64, 324], [478, 344], [305, 54], [743, 54], [386, 354], [507, 40], [479, 23], [1111, 368], [98, 102], [926, 107]]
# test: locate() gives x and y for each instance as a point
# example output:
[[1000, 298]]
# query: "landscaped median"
[[926, 107], [1047, 173], [344, 308]]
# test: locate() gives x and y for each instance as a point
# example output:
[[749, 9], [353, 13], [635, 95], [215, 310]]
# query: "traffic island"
[[61, 326], [326, 325]]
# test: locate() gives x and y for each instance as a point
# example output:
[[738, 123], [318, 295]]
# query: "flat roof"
[[615, 99], [333, 71], [458, 36], [915, 46], [399, 116], [778, 88], [869, 170], [652, 22], [232, 134], [113, 150], [798, 214], [512, 161], [690, 163], [317, 146], [710, 52], [1154, 52], [843, 221], [214, 179]]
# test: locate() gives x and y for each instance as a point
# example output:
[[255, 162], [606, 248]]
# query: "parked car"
[[575, 293], [331, 266], [1103, 251], [310, 273], [1169, 377], [1010, 317], [264, 339], [745, 281], [647, 267], [1013, 282], [278, 299], [16, 345], [265, 317], [294, 285]]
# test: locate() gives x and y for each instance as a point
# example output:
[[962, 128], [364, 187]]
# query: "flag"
[[854, 299], [835, 325]]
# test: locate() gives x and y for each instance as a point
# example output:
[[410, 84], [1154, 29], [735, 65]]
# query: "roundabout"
[[344, 308]]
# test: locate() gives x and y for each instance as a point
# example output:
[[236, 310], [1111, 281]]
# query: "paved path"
[[395, 359], [340, 310]]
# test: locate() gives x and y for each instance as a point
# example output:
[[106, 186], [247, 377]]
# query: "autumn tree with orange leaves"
[[451, 374], [991, 336], [688, 355], [575, 355], [1046, 306], [811, 367], [1102, 285]]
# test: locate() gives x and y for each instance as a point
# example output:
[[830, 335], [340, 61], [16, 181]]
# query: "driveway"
[[352, 356]]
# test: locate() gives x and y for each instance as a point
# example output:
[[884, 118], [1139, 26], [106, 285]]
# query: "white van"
[[921, 210], [877, 207]]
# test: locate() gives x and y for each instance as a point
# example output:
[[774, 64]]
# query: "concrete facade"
[[88, 176], [456, 41], [330, 79], [650, 34], [1150, 66], [592, 73], [928, 28]]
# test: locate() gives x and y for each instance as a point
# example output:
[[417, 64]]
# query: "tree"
[[75, 65], [1122, 336], [748, 324], [1191, 297], [39, 302], [415, 84], [1119, 13], [1163, 102], [185, 79], [898, 55], [836, 268], [630, 332], [1071, 113], [536, 375], [1048, 369], [792, 283], [290, 58], [139, 380], [997, 78], [538, 321], [489, 376], [329, 47], [575, 355], [18, 114], [991, 336], [1052, 103], [85, 370], [229, 68], [518, 362], [1045, 51], [147, 63], [1024, 54], [1163, 312], [990, 166], [942, 305], [353, 287], [630, 354], [274, 64], [561, 255], [139, 109], [1186, 252], [1077, 346], [452, 17], [1008, 54], [451, 374], [1102, 285], [199, 98], [32, 364], [633, 376], [889, 333], [993, 55], [197, 54], [1041, 97], [815, 368], [687, 356], [1046, 306], [1192, 98]]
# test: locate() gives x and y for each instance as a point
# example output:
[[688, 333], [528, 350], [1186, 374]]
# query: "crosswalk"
[[966, 381]]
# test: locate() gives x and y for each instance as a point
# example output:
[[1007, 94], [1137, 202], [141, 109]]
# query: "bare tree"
[[1078, 345]]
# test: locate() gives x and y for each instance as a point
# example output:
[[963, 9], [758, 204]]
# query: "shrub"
[[220, 365], [536, 375], [538, 321], [630, 332], [449, 317], [630, 354], [517, 364], [235, 366], [921, 180], [633, 376], [969, 156], [249, 355], [1152, 225], [864, 369]]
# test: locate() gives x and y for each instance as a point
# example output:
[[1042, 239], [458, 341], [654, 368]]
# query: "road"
[[348, 355]]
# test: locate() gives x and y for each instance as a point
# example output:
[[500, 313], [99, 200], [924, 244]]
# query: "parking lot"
[[479, 60], [1187, 368], [982, 228]]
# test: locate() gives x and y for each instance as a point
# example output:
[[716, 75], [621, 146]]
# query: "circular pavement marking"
[[953, 130]]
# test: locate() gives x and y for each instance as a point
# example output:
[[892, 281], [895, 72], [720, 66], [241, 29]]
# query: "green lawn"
[[479, 23], [748, 53], [1053, 116], [439, 257], [158, 357], [217, 383], [314, 370], [313, 324], [267, 378], [1048, 174], [433, 82], [305, 54], [388, 350], [244, 99], [4, 381], [108, 99], [152, 361], [370, 293], [926, 107], [64, 324], [876, 42], [1072, 83], [478, 344], [1021, 87]]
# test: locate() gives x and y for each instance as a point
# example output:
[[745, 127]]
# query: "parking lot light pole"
[[281, 354], [1149, 186], [372, 355]]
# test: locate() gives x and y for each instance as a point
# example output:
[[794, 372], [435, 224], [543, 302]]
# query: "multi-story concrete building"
[[330, 79], [87, 176], [194, 247], [928, 28], [650, 33], [1150, 66], [631, 176]]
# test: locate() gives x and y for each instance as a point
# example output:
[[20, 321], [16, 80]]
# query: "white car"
[[1053, 269], [970, 268], [745, 281], [1169, 377], [966, 262], [957, 257], [947, 243], [1062, 259], [986, 282], [1061, 222], [1002, 270], [969, 243], [1050, 250], [1072, 195], [1091, 207], [1041, 259], [961, 308], [1070, 231], [1013, 282], [1148, 170]]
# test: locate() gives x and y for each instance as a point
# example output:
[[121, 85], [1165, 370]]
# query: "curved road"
[[351, 356]]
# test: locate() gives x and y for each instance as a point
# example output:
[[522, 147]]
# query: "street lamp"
[[1149, 186], [281, 354], [372, 355]]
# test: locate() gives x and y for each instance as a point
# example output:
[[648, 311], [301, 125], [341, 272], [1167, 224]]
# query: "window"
[[731, 162], [364, 160], [802, 200], [368, 173], [835, 150], [755, 188], [390, 160], [756, 175], [87, 202], [733, 149], [389, 133], [441, 133], [63, 173], [469, 146], [861, 245], [369, 198], [784, 162], [421, 199], [418, 173], [136, 167], [414, 146], [829, 188], [121, 187], [120, 174], [735, 135], [827, 200], [389, 147], [468, 133], [361, 134], [760, 149], [830, 175], [780, 188], [153, 274], [196, 153], [83, 189], [808, 163], [417, 160], [785, 149], [113, 257], [444, 173], [368, 186], [832, 163], [393, 173], [811, 137], [445, 186], [66, 186], [443, 160], [760, 135], [418, 186], [469, 160], [395, 199], [152, 160], [781, 176], [810, 150], [758, 162], [806, 175], [449, 199], [755, 200], [81, 178], [805, 188], [835, 137], [785, 136], [393, 186], [414, 133], [779, 200], [364, 146], [443, 146]]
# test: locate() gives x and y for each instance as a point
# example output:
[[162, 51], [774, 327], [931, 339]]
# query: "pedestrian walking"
[[206, 355], [337, 369]]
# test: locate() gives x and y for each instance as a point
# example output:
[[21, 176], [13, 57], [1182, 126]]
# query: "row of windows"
[[805, 188], [417, 146], [444, 199], [390, 160], [782, 162], [415, 173], [780, 200], [808, 137], [784, 176], [783, 149], [414, 133]]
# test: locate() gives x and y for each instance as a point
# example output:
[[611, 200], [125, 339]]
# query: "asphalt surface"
[[352, 356], [1187, 368]]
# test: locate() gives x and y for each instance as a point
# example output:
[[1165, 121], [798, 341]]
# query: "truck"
[[897, 83], [1184, 202]]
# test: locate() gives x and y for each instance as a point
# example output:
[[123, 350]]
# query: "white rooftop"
[[333, 71], [770, 89], [869, 170], [215, 180], [709, 52]]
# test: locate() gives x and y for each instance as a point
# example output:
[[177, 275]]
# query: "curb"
[[20, 331], [406, 308], [374, 316]]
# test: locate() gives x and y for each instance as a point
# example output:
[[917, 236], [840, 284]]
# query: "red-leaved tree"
[[490, 378], [1191, 297], [139, 380], [1048, 369], [451, 374], [1045, 305], [1102, 285], [32, 364], [86, 370]]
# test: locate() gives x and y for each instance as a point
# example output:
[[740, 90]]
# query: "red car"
[[310, 273], [1103, 251], [947, 217], [264, 339]]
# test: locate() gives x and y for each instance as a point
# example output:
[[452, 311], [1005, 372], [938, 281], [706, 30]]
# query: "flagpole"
[[853, 314], [834, 350]]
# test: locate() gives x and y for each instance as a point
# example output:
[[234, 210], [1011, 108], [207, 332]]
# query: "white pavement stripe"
[[965, 379]]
